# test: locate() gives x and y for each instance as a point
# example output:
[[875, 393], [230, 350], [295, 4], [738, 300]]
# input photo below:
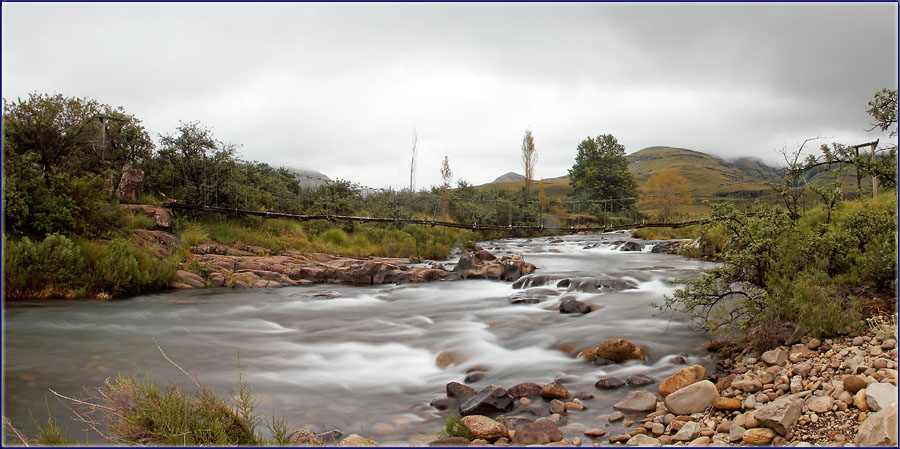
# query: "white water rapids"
[[362, 360]]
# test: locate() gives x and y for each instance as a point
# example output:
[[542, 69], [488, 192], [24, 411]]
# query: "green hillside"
[[709, 176]]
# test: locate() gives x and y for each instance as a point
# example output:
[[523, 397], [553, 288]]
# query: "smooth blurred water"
[[363, 361]]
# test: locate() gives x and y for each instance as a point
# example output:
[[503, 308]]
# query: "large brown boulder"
[[619, 350], [879, 429], [131, 185], [681, 379], [482, 427], [538, 432]]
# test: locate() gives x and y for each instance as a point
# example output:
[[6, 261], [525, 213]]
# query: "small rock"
[[820, 404], [854, 383], [609, 383], [780, 415], [693, 398], [354, 440], [814, 344], [859, 400], [594, 433], [688, 432], [638, 401], [557, 406], [727, 404], [736, 433], [538, 432], [525, 389], [555, 390], [758, 436], [491, 399], [776, 356], [642, 440], [616, 416], [639, 380], [700, 442]]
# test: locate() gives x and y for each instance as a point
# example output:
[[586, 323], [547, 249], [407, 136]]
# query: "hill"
[[509, 177], [308, 178], [709, 176]]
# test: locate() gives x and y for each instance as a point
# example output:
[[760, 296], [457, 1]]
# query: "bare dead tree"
[[412, 162]]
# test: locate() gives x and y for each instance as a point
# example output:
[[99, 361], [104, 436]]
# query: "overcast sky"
[[339, 88]]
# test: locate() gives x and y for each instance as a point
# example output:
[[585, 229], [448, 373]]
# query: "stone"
[[879, 429], [854, 383], [693, 398], [820, 404], [525, 390], [557, 406], [736, 433], [619, 350], [758, 436], [858, 341], [880, 395], [688, 432], [859, 400], [814, 344], [777, 356], [555, 390], [643, 441], [594, 433], [727, 404], [450, 442], [162, 218], [443, 403], [483, 427], [700, 442], [354, 440], [616, 416], [780, 414], [538, 432], [619, 438], [304, 437], [131, 185], [637, 401], [573, 306], [639, 380], [577, 406], [491, 399], [684, 377], [447, 358], [609, 383], [458, 390]]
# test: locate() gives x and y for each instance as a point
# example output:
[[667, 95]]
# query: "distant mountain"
[[758, 169], [510, 177], [308, 178]]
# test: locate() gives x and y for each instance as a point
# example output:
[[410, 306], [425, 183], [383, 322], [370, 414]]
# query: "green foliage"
[[49, 268], [806, 270], [601, 172], [453, 427]]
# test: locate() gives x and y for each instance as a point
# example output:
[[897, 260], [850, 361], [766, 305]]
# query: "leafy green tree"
[[601, 172]]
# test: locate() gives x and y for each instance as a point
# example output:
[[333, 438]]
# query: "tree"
[[446, 177], [601, 172], [883, 109], [665, 191], [529, 159]]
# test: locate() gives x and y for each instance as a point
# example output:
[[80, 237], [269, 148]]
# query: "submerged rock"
[[491, 399]]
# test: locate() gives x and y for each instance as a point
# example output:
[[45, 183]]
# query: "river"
[[359, 359]]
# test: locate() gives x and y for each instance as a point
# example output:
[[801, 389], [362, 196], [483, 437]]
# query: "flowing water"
[[360, 359]]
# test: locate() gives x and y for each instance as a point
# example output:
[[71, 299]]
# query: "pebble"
[[616, 416]]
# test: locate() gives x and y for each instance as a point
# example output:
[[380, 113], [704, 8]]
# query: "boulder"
[[879, 429], [681, 379], [637, 401], [555, 390], [643, 441], [131, 185], [820, 404], [354, 440], [619, 350], [538, 432], [525, 390], [880, 395], [450, 442], [688, 432], [780, 414], [727, 404], [162, 218], [631, 246], [573, 306], [693, 398], [443, 403], [758, 436], [491, 399], [609, 383], [639, 380], [777, 356], [482, 427], [853, 383]]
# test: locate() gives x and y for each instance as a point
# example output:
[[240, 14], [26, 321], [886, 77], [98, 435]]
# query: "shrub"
[[453, 427], [53, 267], [334, 238]]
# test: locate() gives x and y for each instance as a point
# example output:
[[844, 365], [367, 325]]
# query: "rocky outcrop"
[[474, 265], [131, 185]]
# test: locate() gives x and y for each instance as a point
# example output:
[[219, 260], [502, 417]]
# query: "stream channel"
[[361, 359]]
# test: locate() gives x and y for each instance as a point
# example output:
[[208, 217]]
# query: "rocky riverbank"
[[217, 265], [836, 392]]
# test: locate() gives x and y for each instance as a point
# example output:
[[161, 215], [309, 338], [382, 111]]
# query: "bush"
[[453, 427], [53, 267], [806, 270]]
